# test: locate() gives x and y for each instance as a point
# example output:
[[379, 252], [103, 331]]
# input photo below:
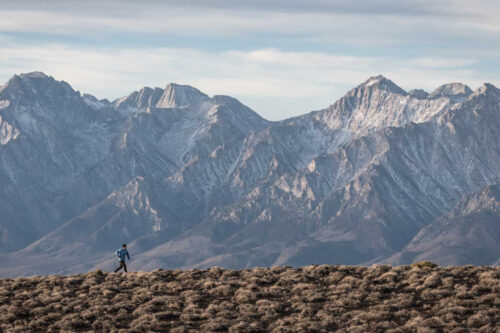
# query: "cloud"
[[266, 72], [382, 7], [383, 20], [428, 62]]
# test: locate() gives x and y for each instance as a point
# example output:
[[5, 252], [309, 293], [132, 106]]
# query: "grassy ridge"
[[313, 298]]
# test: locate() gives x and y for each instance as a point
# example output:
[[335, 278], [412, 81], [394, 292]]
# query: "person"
[[121, 253]]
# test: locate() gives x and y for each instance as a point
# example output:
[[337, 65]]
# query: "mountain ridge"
[[221, 185]]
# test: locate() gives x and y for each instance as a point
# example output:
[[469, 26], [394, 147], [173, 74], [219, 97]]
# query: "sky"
[[282, 58]]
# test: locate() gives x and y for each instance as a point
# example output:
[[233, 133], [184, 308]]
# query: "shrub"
[[423, 265], [280, 299]]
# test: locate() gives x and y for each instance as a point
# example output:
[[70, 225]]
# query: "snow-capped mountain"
[[190, 180]]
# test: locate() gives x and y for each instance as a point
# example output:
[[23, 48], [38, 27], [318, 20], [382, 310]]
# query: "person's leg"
[[119, 267], [124, 267]]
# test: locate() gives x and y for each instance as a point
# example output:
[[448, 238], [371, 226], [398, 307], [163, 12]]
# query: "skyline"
[[281, 59]]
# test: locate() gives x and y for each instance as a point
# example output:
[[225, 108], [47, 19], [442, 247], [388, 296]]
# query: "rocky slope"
[[190, 180], [468, 232], [312, 298]]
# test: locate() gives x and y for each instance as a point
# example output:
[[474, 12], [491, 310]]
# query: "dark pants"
[[122, 264]]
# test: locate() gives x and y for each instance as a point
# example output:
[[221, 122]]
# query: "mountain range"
[[187, 180]]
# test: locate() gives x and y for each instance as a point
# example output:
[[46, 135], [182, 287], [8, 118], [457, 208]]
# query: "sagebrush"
[[421, 298]]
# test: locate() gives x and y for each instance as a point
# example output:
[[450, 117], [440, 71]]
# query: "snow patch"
[[4, 104], [372, 82], [7, 132], [311, 166], [451, 127], [94, 103]]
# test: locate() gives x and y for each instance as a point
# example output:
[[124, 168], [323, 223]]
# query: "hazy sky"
[[282, 58]]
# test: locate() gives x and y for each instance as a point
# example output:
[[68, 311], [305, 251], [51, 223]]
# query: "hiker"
[[121, 253]]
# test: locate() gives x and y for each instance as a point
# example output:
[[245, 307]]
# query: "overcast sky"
[[282, 58]]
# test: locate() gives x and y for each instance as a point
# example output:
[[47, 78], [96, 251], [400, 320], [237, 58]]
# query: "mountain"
[[468, 233], [189, 180], [50, 139], [63, 154], [456, 92]]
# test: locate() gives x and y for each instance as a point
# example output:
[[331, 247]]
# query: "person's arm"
[[128, 256]]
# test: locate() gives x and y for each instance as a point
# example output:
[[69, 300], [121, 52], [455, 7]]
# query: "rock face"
[[193, 181], [468, 233]]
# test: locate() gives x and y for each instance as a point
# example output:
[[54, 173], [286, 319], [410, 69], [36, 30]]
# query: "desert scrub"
[[421, 297]]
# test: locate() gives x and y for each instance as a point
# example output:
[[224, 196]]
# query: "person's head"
[[124, 246]]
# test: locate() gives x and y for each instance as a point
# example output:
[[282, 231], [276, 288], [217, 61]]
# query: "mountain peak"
[[488, 87], [31, 84], [35, 74], [177, 95], [418, 93], [455, 91], [228, 101], [33, 77], [93, 102], [143, 99], [382, 83], [17, 81]]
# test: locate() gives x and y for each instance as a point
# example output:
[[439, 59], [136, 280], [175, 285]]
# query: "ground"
[[422, 297]]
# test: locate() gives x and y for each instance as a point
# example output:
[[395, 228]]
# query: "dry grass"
[[420, 298]]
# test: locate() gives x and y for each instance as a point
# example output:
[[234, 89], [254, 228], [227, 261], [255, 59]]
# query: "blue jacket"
[[121, 253]]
